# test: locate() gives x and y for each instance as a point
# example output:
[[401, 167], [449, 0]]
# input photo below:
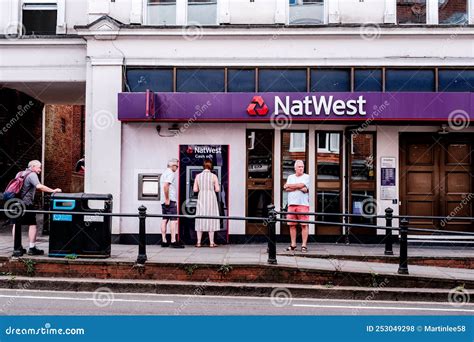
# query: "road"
[[105, 302]]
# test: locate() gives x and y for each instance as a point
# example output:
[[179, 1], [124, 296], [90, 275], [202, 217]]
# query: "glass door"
[[329, 181], [259, 178], [294, 146], [361, 180]]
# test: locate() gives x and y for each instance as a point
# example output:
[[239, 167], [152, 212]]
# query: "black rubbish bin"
[[87, 235]]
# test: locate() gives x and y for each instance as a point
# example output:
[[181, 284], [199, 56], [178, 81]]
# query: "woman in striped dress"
[[207, 185]]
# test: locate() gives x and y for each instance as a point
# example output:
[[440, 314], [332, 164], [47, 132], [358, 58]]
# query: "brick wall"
[[63, 146]]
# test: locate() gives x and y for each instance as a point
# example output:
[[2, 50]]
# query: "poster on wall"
[[388, 171], [191, 158]]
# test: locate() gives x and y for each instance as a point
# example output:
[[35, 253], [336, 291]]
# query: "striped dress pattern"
[[207, 203]]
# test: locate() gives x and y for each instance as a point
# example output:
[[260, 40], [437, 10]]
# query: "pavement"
[[321, 256]]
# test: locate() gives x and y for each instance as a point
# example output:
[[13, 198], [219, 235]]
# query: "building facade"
[[374, 96]]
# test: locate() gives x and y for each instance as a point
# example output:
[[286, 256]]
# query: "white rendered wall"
[[246, 12], [103, 143], [76, 14], [143, 151], [367, 11]]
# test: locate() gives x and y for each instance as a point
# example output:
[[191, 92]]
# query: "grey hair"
[[172, 161], [34, 163], [299, 161]]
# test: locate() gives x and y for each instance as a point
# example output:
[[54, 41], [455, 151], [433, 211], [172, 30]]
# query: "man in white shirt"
[[297, 186], [169, 207]]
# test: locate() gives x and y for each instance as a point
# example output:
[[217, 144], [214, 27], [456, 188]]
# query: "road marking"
[[89, 299], [237, 297], [377, 307]]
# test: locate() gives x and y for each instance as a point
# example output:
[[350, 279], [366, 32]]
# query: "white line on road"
[[238, 297], [88, 299], [378, 307]]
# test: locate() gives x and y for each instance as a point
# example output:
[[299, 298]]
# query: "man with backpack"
[[24, 187]]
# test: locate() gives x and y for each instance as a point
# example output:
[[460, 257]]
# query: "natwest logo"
[[257, 106], [322, 105]]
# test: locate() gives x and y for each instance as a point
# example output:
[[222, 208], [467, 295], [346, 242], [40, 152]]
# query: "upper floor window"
[[452, 12], [158, 80], [410, 80], [202, 12], [368, 80], [456, 80], [306, 12], [411, 11], [330, 80], [39, 18], [291, 80], [200, 80], [161, 12]]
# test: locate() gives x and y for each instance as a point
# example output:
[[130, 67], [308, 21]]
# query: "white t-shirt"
[[168, 177], [298, 197]]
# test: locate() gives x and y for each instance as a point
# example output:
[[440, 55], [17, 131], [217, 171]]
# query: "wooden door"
[[436, 179], [456, 182]]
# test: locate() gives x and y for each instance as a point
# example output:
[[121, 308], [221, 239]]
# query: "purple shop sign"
[[251, 107]]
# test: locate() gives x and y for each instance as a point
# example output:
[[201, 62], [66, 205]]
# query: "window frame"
[[325, 12], [60, 13]]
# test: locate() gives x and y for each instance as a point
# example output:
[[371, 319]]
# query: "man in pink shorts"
[[297, 187]]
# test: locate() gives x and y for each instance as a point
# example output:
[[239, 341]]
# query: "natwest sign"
[[322, 105], [264, 107]]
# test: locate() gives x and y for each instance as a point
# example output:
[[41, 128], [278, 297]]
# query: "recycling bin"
[[81, 235]]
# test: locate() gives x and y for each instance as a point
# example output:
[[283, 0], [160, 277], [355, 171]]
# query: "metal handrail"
[[449, 218], [270, 221], [357, 225]]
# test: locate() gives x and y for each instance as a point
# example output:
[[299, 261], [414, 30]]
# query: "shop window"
[[290, 154], [411, 11], [409, 80], [241, 80], [456, 80], [306, 12], [297, 142], [368, 80], [200, 80], [363, 203], [157, 80], [362, 157], [40, 18], [329, 201], [259, 177], [202, 12], [328, 180], [452, 12], [284, 80], [161, 12], [328, 156], [330, 80]]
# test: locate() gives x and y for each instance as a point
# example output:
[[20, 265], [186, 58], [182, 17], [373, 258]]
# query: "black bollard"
[[271, 234], [403, 266], [388, 231], [142, 236]]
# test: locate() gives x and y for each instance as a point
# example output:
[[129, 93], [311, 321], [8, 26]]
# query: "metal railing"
[[270, 221]]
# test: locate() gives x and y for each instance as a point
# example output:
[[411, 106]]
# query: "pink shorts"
[[297, 209]]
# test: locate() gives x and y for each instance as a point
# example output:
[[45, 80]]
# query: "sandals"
[[213, 245], [291, 248], [198, 245], [304, 249]]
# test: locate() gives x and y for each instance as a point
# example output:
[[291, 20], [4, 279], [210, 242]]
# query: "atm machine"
[[191, 160]]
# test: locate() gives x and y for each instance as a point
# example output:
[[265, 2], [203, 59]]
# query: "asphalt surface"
[[105, 302]]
